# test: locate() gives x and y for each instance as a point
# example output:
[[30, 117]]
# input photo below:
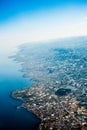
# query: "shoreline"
[[22, 106], [56, 96], [46, 122]]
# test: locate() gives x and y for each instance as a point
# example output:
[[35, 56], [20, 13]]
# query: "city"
[[58, 95]]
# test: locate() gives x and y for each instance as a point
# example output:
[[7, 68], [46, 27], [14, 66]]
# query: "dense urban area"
[[58, 94]]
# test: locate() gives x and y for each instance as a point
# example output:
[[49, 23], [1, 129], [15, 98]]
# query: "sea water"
[[11, 79]]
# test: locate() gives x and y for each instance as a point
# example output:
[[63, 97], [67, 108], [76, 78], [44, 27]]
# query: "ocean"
[[11, 79]]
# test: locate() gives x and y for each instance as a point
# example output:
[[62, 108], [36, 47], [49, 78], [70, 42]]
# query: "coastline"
[[56, 96], [50, 122], [23, 106]]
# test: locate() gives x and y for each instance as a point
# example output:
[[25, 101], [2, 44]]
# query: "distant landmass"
[[58, 95]]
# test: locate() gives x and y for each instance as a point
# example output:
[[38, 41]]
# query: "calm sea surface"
[[11, 79]]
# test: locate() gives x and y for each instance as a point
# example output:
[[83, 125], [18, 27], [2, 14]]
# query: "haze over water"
[[11, 79]]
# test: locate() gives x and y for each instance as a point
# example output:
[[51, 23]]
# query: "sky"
[[30, 21]]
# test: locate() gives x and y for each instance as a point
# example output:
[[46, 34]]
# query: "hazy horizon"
[[33, 21]]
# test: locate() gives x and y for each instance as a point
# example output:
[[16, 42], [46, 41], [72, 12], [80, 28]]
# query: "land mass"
[[58, 95]]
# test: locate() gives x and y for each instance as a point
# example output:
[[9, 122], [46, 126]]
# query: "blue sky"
[[37, 20], [11, 8]]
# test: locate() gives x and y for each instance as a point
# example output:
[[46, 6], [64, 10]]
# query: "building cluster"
[[63, 68]]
